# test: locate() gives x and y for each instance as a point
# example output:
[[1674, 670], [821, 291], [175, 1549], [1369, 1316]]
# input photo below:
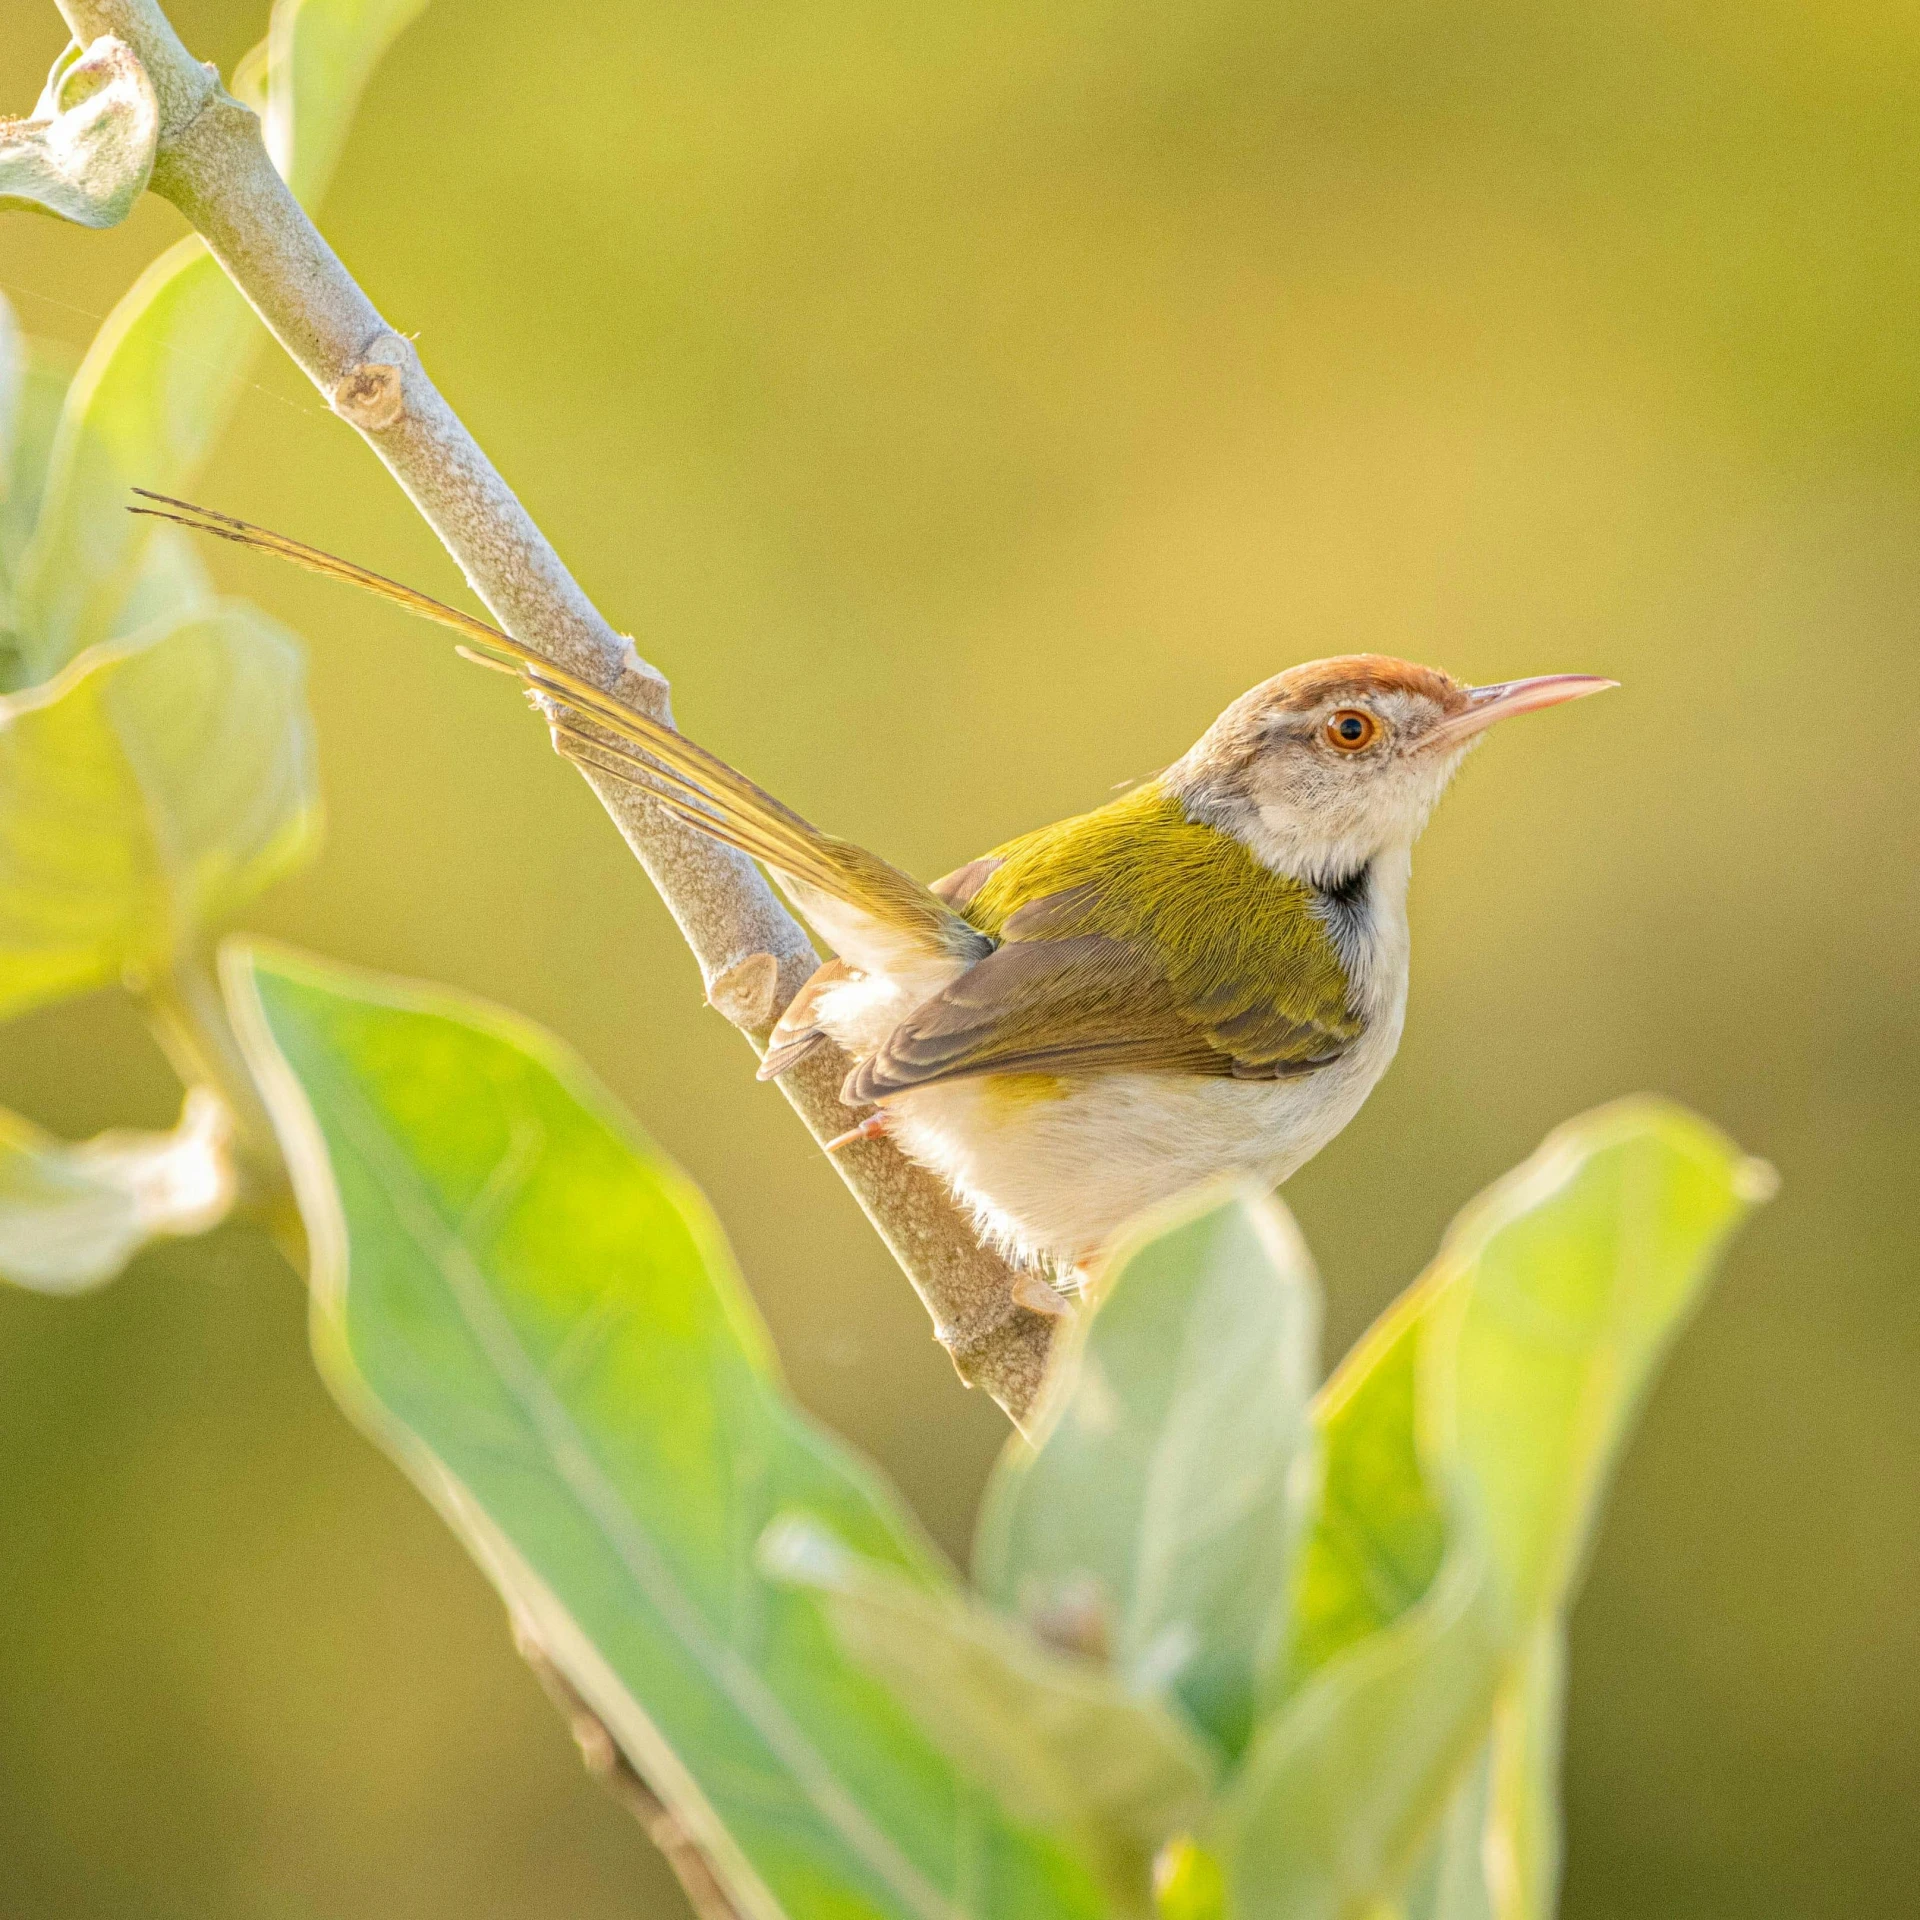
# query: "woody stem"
[[753, 956]]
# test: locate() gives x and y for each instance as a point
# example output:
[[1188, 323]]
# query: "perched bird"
[[1207, 975]]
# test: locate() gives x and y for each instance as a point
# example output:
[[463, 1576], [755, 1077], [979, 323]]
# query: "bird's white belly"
[[1053, 1171]]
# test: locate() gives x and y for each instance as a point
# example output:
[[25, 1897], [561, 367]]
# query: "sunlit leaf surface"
[[320, 56], [540, 1319], [146, 793], [1152, 1521], [1488, 1404], [1058, 1739], [33, 382]]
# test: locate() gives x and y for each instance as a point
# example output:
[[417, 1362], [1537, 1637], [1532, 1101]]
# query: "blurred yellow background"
[[962, 402]]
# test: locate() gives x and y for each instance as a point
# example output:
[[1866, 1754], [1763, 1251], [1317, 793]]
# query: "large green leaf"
[[1497, 1853], [145, 794], [72, 1216], [168, 578], [162, 374], [1451, 1883], [1556, 1294], [150, 399], [1152, 1518], [1058, 1739], [85, 153], [1379, 1529], [540, 1319], [1339, 1791], [1491, 1400]]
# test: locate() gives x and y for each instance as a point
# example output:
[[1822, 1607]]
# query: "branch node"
[[370, 395], [744, 992]]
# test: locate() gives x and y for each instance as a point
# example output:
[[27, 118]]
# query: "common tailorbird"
[[1205, 976]]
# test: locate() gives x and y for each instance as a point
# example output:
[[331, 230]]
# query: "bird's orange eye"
[[1352, 729]]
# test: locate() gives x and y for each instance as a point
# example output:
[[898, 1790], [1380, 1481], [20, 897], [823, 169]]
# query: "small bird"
[[1205, 976]]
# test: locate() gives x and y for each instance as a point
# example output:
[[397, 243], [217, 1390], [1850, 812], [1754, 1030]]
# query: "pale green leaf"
[[540, 1319], [162, 375], [85, 153], [1565, 1284], [169, 581], [145, 794], [1522, 1845], [1497, 1854], [1188, 1883], [41, 372], [1451, 1882], [1153, 1519], [1379, 1527], [1485, 1409], [149, 401], [1339, 1793], [72, 1216], [1058, 1739]]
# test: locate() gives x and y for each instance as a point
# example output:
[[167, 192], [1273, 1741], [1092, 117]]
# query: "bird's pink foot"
[[873, 1127]]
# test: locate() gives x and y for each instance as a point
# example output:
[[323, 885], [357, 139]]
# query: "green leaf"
[[1497, 1854], [145, 794], [1560, 1290], [1153, 1519], [1339, 1792], [1493, 1397], [36, 379], [1057, 1739], [164, 371], [150, 399], [1379, 1531], [34, 375], [1522, 1842], [1451, 1883], [539, 1318], [72, 1216], [88, 148], [1188, 1883]]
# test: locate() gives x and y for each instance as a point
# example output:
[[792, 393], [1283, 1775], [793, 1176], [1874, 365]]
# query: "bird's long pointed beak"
[[1485, 705]]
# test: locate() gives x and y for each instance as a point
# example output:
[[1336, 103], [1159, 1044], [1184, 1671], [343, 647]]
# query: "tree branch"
[[753, 955]]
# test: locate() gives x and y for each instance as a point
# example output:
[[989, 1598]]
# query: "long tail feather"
[[693, 785]]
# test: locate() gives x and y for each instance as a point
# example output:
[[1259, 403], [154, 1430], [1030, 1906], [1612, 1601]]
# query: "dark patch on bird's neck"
[[1344, 902], [1346, 891], [1346, 898]]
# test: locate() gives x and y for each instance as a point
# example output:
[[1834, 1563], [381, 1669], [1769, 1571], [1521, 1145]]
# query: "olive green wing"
[[1131, 937], [1092, 1003]]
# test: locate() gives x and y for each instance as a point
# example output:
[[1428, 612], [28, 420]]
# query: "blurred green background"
[[962, 402]]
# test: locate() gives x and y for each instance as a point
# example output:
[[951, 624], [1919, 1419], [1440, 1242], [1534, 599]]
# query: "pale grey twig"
[[753, 955]]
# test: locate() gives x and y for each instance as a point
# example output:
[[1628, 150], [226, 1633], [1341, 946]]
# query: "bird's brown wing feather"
[[797, 1032], [1090, 1003]]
